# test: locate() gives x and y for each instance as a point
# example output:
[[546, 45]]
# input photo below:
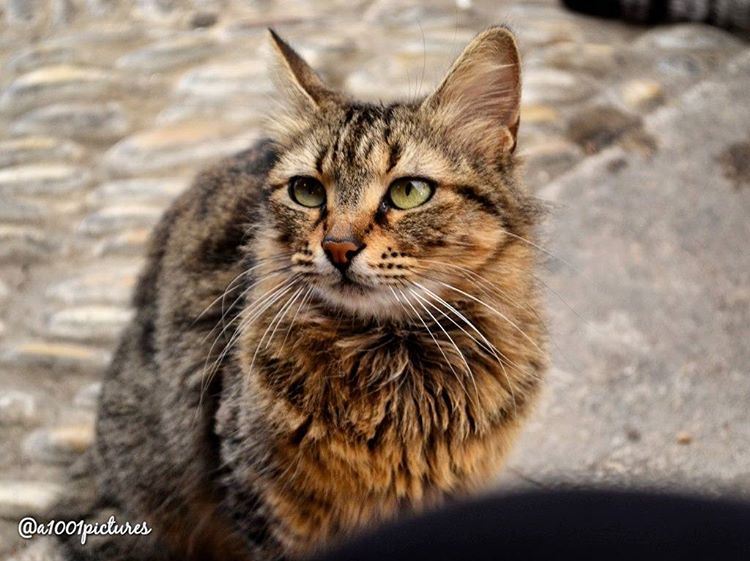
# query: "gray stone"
[[14, 210], [540, 32], [594, 128], [19, 210], [55, 84], [128, 242], [402, 80], [61, 357], [20, 243], [45, 54], [4, 291], [235, 110], [148, 191], [27, 498], [642, 94], [735, 161], [653, 309], [169, 53], [173, 146], [156, 7], [324, 50], [234, 92], [17, 408], [116, 218], [209, 5], [203, 19], [549, 86], [88, 396], [42, 180], [546, 160], [395, 13], [100, 7], [591, 58], [23, 11], [687, 37], [99, 285], [538, 114], [58, 445], [407, 70], [83, 121], [97, 43], [30, 149], [89, 323], [681, 66], [63, 11], [224, 80]]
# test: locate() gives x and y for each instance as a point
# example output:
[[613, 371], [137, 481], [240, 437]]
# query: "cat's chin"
[[361, 300]]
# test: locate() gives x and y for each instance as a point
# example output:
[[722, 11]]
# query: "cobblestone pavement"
[[637, 138]]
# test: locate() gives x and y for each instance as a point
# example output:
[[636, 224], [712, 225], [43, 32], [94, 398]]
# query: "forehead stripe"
[[319, 159], [367, 148], [353, 134], [350, 112], [394, 156], [358, 132]]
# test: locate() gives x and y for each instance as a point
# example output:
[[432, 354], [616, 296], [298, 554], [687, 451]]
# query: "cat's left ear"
[[479, 100], [304, 88]]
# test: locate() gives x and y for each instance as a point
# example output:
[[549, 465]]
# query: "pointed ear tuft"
[[304, 88], [479, 100]]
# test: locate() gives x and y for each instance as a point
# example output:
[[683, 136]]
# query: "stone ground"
[[638, 139]]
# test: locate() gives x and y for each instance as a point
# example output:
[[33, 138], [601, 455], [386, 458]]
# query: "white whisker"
[[463, 359], [294, 317], [283, 312], [495, 311], [434, 340]]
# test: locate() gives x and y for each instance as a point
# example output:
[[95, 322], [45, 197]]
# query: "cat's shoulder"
[[225, 194], [240, 175], [206, 225]]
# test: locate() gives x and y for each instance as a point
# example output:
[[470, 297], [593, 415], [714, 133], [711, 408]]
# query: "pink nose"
[[341, 252]]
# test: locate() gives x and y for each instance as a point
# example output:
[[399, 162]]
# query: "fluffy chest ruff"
[[338, 424]]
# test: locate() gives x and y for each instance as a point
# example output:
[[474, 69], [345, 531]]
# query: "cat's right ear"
[[479, 100], [302, 86]]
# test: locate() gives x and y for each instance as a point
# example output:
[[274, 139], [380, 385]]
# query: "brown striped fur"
[[260, 407]]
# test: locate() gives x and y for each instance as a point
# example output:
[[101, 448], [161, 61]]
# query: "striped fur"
[[259, 407]]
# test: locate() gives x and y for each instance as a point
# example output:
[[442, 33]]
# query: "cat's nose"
[[341, 252]]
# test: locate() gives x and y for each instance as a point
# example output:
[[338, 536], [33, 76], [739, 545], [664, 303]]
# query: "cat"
[[335, 327], [730, 14]]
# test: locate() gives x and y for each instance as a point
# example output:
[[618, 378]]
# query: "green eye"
[[406, 193], [307, 191]]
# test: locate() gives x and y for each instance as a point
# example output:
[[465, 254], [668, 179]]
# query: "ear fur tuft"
[[480, 97], [297, 79]]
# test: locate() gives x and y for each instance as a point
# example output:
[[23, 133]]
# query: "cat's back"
[[158, 395], [194, 254], [198, 242]]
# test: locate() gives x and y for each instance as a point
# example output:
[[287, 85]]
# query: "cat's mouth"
[[348, 284], [357, 292], [358, 297]]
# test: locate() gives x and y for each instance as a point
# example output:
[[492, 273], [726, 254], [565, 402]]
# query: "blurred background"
[[636, 138]]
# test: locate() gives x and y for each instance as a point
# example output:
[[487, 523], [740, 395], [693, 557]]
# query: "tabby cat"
[[336, 326]]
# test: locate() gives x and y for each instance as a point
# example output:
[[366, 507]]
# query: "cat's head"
[[381, 209]]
